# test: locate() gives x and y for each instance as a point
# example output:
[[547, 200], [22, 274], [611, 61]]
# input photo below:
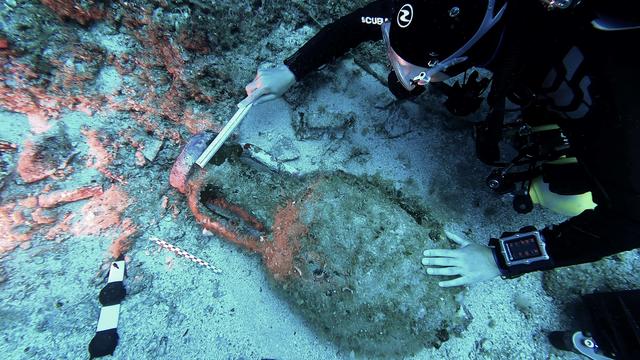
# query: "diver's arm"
[[335, 39], [609, 148], [591, 236], [611, 155]]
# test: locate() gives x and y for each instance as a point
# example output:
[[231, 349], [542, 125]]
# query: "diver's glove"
[[269, 84], [463, 98], [471, 263], [396, 88]]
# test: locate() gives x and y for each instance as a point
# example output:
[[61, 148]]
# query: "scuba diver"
[[569, 69]]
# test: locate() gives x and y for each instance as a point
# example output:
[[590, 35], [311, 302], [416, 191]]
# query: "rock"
[[3, 275], [7, 164], [41, 155], [151, 148], [397, 124], [321, 124], [285, 150], [260, 159], [109, 81], [524, 304], [138, 283]]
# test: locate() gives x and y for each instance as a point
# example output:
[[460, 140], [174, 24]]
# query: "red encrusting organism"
[[72, 9], [278, 253]]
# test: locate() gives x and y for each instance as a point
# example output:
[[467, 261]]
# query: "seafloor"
[[96, 101]]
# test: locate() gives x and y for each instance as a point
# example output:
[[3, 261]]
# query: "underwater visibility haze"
[[301, 238]]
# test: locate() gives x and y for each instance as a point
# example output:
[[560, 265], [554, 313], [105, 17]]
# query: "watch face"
[[522, 248]]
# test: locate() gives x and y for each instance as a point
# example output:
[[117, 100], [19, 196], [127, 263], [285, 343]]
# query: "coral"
[[61, 227], [102, 215], [20, 220], [32, 166], [7, 160], [30, 202], [102, 212], [22, 91], [99, 157], [81, 11], [197, 123], [12, 227], [164, 48], [148, 106], [60, 197], [194, 39], [122, 243], [77, 66], [140, 161], [42, 217]]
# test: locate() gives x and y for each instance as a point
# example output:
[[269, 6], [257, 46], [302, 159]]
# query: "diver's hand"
[[471, 262], [268, 85]]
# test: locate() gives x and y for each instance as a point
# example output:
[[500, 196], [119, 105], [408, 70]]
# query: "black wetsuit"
[[582, 78]]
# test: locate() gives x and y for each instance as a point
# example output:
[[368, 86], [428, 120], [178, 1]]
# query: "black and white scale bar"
[[106, 338]]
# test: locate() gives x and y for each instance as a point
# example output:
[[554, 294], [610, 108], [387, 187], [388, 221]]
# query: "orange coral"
[[60, 228], [123, 242], [102, 212], [101, 215], [161, 50], [59, 197], [140, 160], [32, 100], [21, 219], [197, 123], [99, 157], [12, 227], [30, 202], [41, 217]]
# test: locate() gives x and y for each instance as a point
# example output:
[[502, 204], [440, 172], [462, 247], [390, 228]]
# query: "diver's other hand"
[[269, 84], [471, 263]]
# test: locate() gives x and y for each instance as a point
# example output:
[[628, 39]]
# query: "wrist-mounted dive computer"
[[519, 253]]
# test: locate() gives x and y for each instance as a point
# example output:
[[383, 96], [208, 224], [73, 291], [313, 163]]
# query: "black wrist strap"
[[499, 259], [510, 271]]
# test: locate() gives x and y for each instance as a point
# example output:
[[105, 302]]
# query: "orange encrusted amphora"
[[341, 249]]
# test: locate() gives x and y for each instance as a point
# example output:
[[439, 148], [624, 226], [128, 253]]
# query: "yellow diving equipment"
[[570, 205]]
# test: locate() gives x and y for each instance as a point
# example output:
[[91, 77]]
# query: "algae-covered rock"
[[352, 254]]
